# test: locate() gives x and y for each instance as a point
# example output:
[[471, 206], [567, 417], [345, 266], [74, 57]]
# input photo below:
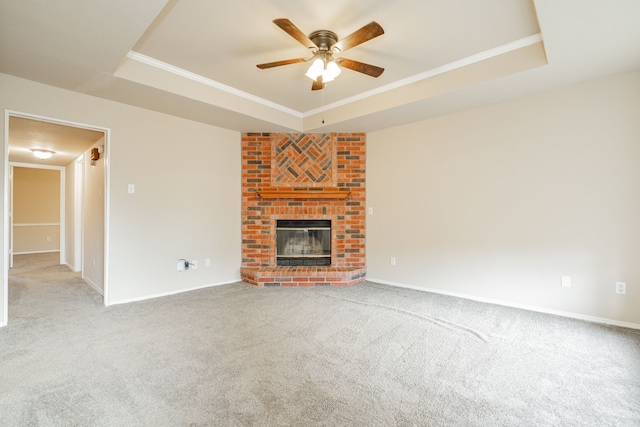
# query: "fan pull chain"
[[325, 88]]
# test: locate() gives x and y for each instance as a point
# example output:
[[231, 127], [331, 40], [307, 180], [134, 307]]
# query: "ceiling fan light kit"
[[324, 44], [315, 70], [331, 72], [327, 69]]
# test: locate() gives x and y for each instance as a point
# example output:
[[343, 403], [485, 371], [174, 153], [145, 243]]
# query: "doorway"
[[80, 152], [36, 207]]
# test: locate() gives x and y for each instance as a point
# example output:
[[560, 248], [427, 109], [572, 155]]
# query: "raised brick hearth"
[[303, 176]]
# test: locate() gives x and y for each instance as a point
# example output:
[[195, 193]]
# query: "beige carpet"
[[369, 355]]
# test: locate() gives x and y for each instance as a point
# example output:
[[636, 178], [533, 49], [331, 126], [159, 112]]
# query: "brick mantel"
[[303, 176]]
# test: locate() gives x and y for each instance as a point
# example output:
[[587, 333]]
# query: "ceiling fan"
[[324, 44]]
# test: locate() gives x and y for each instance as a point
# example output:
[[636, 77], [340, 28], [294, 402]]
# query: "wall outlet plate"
[[566, 281], [621, 288]]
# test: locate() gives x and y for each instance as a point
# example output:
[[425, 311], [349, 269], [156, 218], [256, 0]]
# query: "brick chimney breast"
[[308, 176]]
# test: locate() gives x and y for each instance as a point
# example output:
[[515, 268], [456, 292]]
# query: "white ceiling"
[[67, 142], [196, 59], [245, 36]]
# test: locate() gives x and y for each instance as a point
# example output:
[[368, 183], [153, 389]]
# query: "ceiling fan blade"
[[317, 84], [361, 67], [288, 27], [366, 33], [279, 63]]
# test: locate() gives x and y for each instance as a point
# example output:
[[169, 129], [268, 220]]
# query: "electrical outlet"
[[621, 288], [194, 264], [370, 211], [566, 281], [207, 262], [393, 260], [48, 239], [181, 265]]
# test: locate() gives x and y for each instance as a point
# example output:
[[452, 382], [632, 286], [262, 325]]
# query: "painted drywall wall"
[[187, 199], [36, 239], [36, 210], [500, 202], [93, 219], [70, 215], [74, 192]]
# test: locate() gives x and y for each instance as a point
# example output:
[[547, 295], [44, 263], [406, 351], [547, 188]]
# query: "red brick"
[[257, 151]]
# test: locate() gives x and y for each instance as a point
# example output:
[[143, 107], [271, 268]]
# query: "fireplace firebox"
[[303, 242]]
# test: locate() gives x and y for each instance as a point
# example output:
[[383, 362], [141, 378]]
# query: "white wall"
[[500, 202], [187, 200], [494, 203], [70, 216], [93, 219]]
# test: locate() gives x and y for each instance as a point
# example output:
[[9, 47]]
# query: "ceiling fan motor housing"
[[324, 39]]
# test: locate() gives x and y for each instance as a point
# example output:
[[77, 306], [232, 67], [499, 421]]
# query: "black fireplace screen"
[[303, 242]]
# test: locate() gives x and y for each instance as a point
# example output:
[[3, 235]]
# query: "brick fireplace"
[[303, 176]]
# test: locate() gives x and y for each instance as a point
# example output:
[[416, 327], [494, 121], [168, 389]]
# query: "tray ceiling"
[[197, 59]]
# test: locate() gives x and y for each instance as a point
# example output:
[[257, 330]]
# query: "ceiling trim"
[[473, 59], [461, 63], [138, 57], [428, 90]]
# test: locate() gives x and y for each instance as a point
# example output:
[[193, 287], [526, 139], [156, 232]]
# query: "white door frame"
[[10, 216], [78, 216], [107, 139]]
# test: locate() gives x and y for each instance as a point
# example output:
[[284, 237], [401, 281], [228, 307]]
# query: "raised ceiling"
[[245, 36], [196, 59]]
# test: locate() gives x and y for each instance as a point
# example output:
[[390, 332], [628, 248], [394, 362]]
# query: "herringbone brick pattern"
[[303, 159]]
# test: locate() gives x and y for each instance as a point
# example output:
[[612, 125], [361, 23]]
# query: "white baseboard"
[[93, 285], [510, 304], [72, 268], [166, 294]]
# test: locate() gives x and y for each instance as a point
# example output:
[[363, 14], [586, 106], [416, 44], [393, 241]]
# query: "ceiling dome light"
[[42, 154]]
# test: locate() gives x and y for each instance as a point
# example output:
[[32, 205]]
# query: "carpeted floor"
[[369, 355]]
